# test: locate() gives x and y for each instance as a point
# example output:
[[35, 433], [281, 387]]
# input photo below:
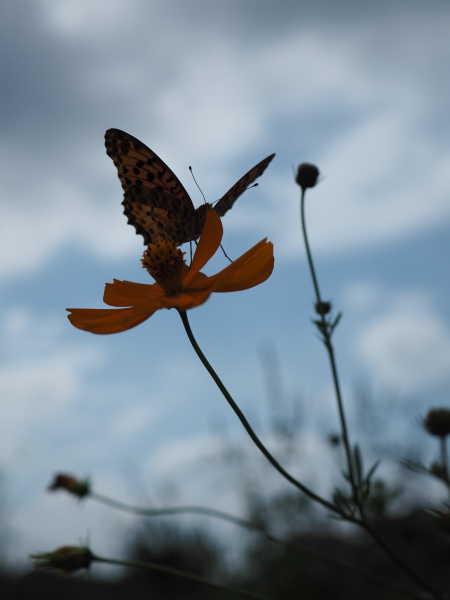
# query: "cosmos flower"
[[177, 285]]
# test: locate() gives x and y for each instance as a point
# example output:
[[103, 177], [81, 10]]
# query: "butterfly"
[[155, 201]]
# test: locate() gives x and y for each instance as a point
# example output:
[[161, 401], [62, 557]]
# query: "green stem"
[[182, 574], [246, 424], [326, 332], [308, 251], [331, 560], [175, 510]]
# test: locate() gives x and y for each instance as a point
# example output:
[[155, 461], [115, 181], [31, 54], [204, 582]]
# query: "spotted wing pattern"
[[155, 201], [157, 215]]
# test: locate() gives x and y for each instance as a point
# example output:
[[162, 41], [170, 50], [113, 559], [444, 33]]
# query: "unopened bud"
[[437, 422], [307, 175]]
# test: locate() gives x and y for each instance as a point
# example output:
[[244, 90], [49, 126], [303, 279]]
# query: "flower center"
[[164, 261]]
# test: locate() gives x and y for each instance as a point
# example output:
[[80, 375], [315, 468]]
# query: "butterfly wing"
[[227, 201], [157, 215], [155, 201]]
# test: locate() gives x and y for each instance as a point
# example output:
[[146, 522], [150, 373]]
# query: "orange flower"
[[177, 285]]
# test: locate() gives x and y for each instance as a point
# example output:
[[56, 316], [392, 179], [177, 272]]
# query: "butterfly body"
[[155, 201]]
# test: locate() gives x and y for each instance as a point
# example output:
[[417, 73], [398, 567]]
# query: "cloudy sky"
[[359, 88]]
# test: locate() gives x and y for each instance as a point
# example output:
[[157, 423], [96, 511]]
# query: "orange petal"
[[128, 293], [106, 320], [250, 269], [188, 299], [208, 244]]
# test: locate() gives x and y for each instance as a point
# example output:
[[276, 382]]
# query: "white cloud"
[[133, 419], [219, 97], [386, 169], [408, 345], [362, 295], [39, 377], [65, 18]]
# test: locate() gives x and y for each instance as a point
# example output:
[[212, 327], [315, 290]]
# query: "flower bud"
[[77, 487], [64, 560], [437, 422], [307, 175], [323, 308]]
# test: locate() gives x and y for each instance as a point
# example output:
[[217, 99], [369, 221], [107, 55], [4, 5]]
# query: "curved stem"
[[326, 332], [308, 251], [332, 560], [246, 424], [182, 574], [175, 510]]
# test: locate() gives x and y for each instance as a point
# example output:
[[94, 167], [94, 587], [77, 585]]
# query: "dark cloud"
[[214, 74]]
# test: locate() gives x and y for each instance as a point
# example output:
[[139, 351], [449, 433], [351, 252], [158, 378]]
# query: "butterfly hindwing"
[[227, 201], [157, 215]]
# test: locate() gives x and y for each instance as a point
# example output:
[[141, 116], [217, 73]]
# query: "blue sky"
[[360, 89]]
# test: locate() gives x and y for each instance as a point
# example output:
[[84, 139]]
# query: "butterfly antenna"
[[225, 254], [201, 192]]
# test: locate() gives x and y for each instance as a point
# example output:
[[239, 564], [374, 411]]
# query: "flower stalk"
[[67, 559], [182, 575], [246, 424], [303, 549], [326, 329]]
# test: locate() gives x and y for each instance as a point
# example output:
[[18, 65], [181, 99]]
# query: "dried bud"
[[77, 487], [437, 422], [323, 308], [64, 560], [307, 175]]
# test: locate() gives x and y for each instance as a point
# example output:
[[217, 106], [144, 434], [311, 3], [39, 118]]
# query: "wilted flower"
[[64, 560], [77, 487]]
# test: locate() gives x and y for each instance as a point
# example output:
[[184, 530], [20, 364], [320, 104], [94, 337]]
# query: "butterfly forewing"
[[138, 165], [227, 201]]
